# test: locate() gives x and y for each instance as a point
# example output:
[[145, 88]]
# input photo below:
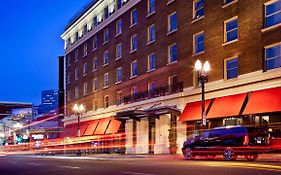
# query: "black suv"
[[229, 142]]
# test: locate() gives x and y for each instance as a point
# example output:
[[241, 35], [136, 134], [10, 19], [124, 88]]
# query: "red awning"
[[227, 106], [264, 101], [91, 128], [193, 111], [103, 123], [70, 131], [113, 127], [83, 127]]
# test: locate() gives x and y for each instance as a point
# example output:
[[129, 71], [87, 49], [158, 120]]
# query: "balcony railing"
[[157, 92]]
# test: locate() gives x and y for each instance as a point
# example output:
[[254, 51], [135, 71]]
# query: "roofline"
[[17, 103]]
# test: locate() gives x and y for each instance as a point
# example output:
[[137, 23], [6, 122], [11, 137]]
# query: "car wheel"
[[229, 154], [188, 154], [251, 157]]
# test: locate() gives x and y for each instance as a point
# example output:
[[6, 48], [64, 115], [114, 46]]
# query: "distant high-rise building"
[[49, 101]]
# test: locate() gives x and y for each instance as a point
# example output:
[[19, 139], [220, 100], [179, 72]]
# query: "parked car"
[[229, 142]]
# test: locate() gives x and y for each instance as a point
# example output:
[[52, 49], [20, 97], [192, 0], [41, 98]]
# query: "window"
[[231, 68], [151, 89], [68, 78], [231, 30], [198, 9], [95, 42], [105, 11], [119, 27], [173, 84], [118, 51], [273, 57], [106, 101], [134, 92], [76, 54], [134, 42], [85, 69], [199, 43], [85, 29], [120, 3], [95, 21], [118, 75], [105, 80], [228, 1], [76, 73], [95, 84], [151, 33], [172, 22], [119, 98], [68, 60], [95, 63], [106, 36], [134, 69], [172, 53], [85, 88], [273, 13], [85, 48], [151, 62], [134, 17], [150, 6], [105, 58], [76, 92]]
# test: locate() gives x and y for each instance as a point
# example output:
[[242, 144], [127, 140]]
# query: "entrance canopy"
[[264, 101], [227, 106]]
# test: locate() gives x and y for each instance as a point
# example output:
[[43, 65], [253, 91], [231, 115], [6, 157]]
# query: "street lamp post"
[[202, 72], [79, 109]]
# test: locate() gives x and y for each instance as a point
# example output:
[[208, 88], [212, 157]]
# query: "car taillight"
[[246, 140]]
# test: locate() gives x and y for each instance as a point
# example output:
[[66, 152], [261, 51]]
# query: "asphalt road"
[[21, 165]]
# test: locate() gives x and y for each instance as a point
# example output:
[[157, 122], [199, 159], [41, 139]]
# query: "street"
[[28, 165]]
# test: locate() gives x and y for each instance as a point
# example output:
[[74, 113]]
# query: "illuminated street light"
[[202, 72], [78, 109]]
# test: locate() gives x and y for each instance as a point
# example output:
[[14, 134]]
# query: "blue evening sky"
[[30, 44]]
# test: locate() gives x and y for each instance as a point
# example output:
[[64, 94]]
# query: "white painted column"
[[162, 135], [130, 149], [142, 137], [181, 135]]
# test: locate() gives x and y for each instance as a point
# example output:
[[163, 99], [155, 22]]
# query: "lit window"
[[151, 33], [106, 101], [119, 27], [199, 43], [231, 30], [134, 68], [105, 80], [118, 75], [134, 43], [150, 6], [85, 70], [105, 58], [273, 13], [172, 22], [95, 42], [198, 9], [231, 66], [95, 84], [273, 57], [85, 49], [118, 51], [151, 62], [106, 36], [173, 53], [95, 63], [134, 17], [85, 88]]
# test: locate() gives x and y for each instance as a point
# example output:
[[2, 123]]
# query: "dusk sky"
[[30, 44]]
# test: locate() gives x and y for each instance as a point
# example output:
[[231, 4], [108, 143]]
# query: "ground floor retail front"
[[163, 127]]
